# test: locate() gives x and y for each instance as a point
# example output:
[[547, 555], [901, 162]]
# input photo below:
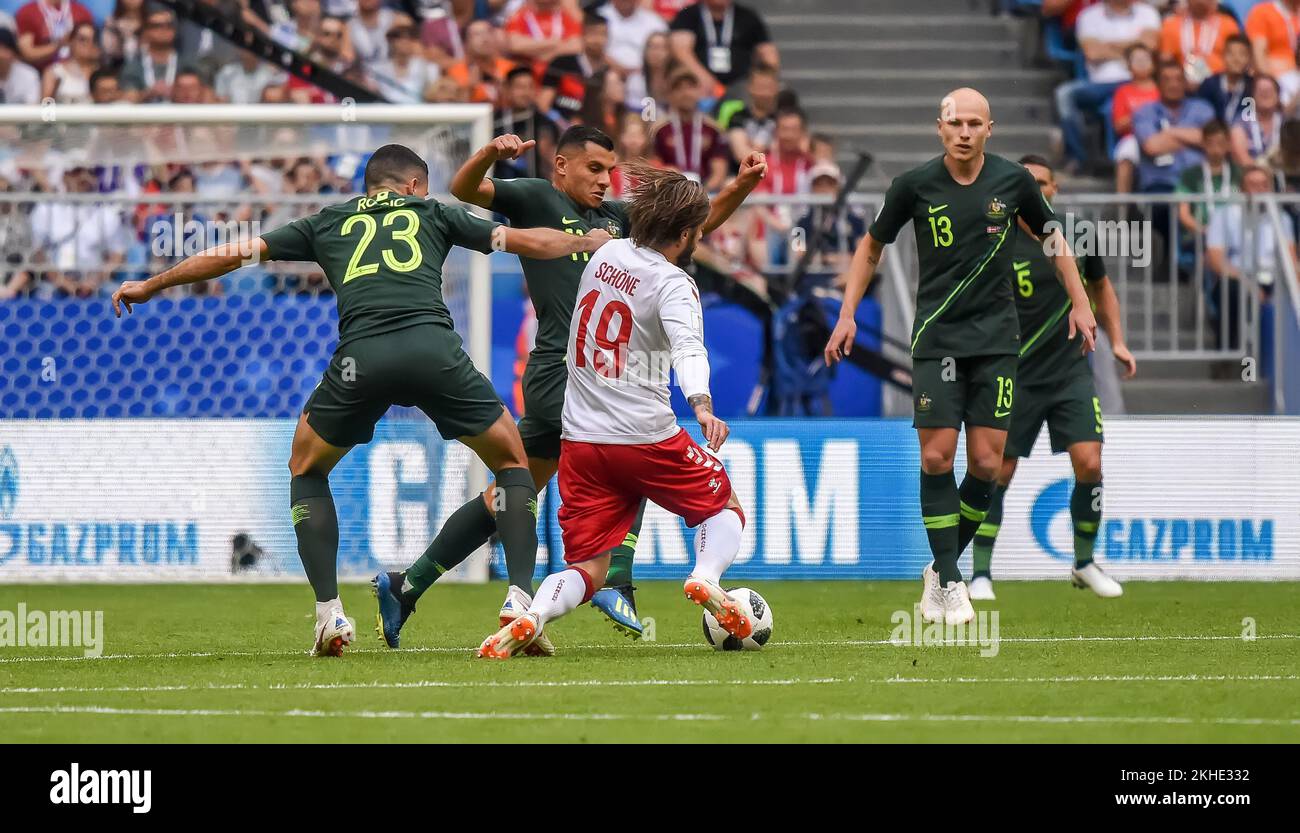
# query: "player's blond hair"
[[663, 204]]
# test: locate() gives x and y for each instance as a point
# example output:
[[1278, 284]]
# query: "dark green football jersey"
[[383, 256], [964, 301], [553, 284], [1047, 354]]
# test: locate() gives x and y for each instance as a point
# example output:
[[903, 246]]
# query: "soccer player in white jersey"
[[638, 314]]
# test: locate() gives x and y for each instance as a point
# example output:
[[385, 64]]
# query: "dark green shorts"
[[423, 366], [540, 426], [1070, 409], [974, 390]]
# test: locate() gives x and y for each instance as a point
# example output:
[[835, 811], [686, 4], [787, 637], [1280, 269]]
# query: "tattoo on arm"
[[701, 401]]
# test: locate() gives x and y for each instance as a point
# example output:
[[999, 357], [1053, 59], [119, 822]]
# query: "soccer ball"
[[760, 613]]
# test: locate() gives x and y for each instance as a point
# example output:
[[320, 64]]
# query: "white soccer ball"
[[760, 613]]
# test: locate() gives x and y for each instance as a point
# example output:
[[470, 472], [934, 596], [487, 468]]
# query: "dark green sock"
[[516, 507], [467, 529], [1085, 512], [621, 557], [940, 510], [316, 524], [975, 496], [987, 534]]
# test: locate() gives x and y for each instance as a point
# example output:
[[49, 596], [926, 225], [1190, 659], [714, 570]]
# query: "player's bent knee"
[[936, 460]]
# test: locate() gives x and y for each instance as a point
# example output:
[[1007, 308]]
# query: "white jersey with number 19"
[[637, 315]]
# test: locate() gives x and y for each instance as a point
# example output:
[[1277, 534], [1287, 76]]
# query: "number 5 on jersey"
[[616, 344]]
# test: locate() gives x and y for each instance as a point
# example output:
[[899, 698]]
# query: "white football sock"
[[716, 543], [558, 594], [325, 610]]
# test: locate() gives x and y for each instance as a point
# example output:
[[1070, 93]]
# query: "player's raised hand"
[[130, 292], [715, 430], [840, 343], [510, 146], [1124, 357], [1082, 321], [753, 169]]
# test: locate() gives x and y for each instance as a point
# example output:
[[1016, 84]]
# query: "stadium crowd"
[[694, 86]]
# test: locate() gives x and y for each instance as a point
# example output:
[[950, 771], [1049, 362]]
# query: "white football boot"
[[957, 608], [515, 636], [981, 589], [1092, 577], [931, 596], [334, 632], [516, 604]]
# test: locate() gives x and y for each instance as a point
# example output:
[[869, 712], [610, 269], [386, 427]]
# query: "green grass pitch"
[[1167, 662]]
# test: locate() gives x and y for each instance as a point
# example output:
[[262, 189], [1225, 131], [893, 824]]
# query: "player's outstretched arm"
[[471, 183], [1081, 318], [861, 272], [1102, 294], [546, 243], [204, 266], [752, 171]]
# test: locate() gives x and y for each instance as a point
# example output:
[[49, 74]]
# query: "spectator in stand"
[[445, 91], [788, 160], [369, 29], [1196, 37], [1169, 132], [67, 81], [1255, 135], [1216, 177], [719, 40], [751, 127], [1231, 261], [121, 35], [540, 32], [71, 236], [148, 77], [440, 31], [190, 89], [689, 142], [630, 26], [1229, 91], [1131, 96], [1286, 161], [839, 232], [631, 145], [648, 90], [104, 87], [603, 101], [483, 71], [406, 75], [19, 83], [243, 81], [669, 9], [15, 242], [1105, 32], [518, 114], [45, 28], [1272, 29], [822, 147], [565, 83]]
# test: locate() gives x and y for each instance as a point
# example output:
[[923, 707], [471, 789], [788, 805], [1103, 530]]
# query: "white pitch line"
[[813, 717], [364, 715], [651, 683], [831, 643], [417, 684]]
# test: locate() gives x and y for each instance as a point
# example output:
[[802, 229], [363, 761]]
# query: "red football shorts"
[[602, 485]]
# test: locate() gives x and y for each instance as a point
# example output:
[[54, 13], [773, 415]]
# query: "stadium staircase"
[[870, 73]]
